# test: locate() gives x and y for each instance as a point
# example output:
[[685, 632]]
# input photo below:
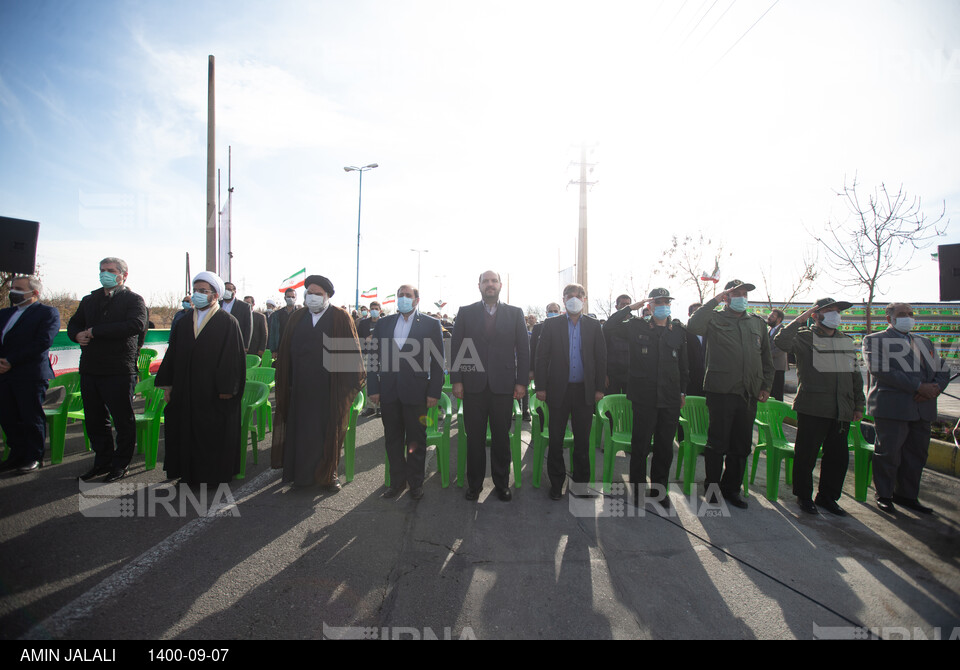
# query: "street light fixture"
[[361, 170]]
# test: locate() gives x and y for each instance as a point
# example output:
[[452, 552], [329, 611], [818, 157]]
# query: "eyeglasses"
[[203, 291]]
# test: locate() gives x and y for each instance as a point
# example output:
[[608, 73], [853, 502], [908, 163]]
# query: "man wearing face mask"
[[240, 310], [109, 325], [829, 397], [906, 376], [618, 351], [553, 309], [406, 378], [490, 369], [278, 320], [27, 329], [658, 375], [780, 362], [258, 337], [365, 334], [739, 373], [319, 373], [203, 373], [570, 376]]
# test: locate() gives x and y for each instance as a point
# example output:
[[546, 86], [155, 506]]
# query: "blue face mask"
[[200, 300], [661, 312], [550, 315], [108, 279], [739, 304], [186, 304], [404, 304]]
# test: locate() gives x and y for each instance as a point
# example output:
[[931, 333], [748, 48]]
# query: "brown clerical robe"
[[201, 430], [319, 373]]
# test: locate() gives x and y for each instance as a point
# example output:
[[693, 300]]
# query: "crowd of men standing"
[[731, 357]]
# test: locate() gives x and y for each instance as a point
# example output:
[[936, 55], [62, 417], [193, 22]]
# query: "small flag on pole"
[[370, 294], [440, 304], [293, 281], [392, 298]]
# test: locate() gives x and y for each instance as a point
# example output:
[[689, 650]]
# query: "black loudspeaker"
[[949, 257], [18, 245]]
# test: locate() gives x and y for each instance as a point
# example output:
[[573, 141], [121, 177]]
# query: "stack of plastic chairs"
[[254, 395], [774, 444]]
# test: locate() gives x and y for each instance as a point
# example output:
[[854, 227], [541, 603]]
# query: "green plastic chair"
[[514, 445], [540, 438], [774, 444], [862, 459], [695, 420], [350, 439], [252, 361], [265, 411], [438, 437], [267, 360], [57, 416], [143, 362], [148, 423], [254, 395], [617, 411]]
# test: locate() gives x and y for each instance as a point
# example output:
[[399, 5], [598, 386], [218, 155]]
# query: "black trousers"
[[658, 424], [22, 419], [479, 409], [405, 437], [776, 391], [573, 407], [106, 397], [812, 433], [729, 440]]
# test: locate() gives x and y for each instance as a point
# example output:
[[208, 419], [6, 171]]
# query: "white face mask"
[[904, 323], [227, 296], [831, 320], [290, 301], [574, 305], [315, 303]]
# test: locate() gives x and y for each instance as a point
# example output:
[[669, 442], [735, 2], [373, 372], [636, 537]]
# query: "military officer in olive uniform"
[[659, 373], [829, 398], [739, 373]]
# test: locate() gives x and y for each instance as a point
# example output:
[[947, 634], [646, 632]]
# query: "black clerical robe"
[[201, 430]]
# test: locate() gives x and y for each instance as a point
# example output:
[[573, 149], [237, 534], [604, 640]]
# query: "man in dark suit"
[[258, 337], [695, 349], [406, 378], [491, 363], [27, 330], [618, 354], [240, 310], [906, 376], [570, 376]]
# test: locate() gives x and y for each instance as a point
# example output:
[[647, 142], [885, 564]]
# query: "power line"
[[745, 34], [707, 34], [699, 22]]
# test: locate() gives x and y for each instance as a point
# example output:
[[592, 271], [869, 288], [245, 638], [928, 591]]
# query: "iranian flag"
[[370, 294], [293, 281], [392, 298]]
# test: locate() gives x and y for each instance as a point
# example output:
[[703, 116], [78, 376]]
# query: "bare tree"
[[690, 258], [878, 239], [804, 282]]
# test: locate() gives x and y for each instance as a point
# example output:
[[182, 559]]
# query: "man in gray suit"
[[570, 374], [906, 377]]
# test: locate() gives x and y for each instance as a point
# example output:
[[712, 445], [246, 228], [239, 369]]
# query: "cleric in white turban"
[[203, 373]]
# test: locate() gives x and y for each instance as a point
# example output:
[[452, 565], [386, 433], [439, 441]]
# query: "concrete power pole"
[[211, 172], [582, 229]]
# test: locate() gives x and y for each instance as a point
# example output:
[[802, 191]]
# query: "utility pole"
[[582, 229], [211, 171]]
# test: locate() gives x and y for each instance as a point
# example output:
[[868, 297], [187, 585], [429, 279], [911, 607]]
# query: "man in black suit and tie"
[[27, 330], [240, 310], [906, 376], [406, 378], [570, 376], [491, 363]]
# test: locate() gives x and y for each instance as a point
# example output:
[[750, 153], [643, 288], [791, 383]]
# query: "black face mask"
[[16, 298]]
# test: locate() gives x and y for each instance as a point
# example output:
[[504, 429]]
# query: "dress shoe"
[[665, 503], [393, 491], [416, 493], [28, 467], [95, 472], [735, 500], [807, 506], [886, 505], [504, 494], [912, 504], [473, 494], [830, 505], [368, 412], [115, 475], [556, 494], [333, 485]]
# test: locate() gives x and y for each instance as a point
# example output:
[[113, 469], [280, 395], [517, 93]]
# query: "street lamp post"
[[419, 252], [361, 170]]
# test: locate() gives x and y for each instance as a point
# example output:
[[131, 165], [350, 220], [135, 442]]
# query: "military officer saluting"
[[659, 373], [830, 396], [739, 373]]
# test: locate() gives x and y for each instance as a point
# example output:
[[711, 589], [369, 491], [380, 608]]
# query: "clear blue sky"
[[721, 116]]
